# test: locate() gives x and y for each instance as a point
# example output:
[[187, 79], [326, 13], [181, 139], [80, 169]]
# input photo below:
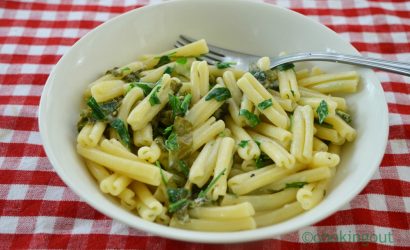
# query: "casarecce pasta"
[[210, 147]]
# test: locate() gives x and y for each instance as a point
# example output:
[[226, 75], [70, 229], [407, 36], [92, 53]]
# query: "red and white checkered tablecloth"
[[37, 210]]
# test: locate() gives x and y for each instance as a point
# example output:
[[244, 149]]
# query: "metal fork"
[[242, 60]]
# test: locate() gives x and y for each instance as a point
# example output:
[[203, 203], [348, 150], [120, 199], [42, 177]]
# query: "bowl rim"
[[188, 235]]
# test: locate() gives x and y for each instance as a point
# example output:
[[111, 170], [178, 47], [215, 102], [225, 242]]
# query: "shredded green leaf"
[[250, 117], [219, 94], [167, 131], [322, 111], [259, 75], [345, 116], [168, 70], [179, 108], [176, 194], [263, 160], [298, 184], [153, 99], [182, 60], [145, 87], [285, 66], [243, 143], [211, 185], [265, 104], [97, 112], [172, 142], [122, 131], [164, 179], [183, 167], [224, 65], [174, 207]]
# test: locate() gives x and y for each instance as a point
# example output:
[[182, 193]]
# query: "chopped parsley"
[[122, 131], [224, 65], [183, 167], [181, 60], [265, 104], [97, 112], [243, 143], [164, 60], [153, 99], [263, 160], [172, 142], [164, 179], [145, 87], [345, 116], [220, 94], [252, 119], [168, 70], [322, 111], [179, 108]]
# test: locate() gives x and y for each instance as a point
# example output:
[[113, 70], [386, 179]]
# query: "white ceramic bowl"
[[240, 25]]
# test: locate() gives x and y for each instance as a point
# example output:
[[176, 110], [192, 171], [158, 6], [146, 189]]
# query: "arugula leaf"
[[179, 108], [243, 143], [251, 117], [345, 116], [219, 94], [172, 142], [211, 185], [122, 131], [97, 112], [265, 104], [164, 179], [285, 66], [263, 160], [224, 65], [183, 167], [298, 184], [168, 70], [322, 111], [182, 60], [153, 99]]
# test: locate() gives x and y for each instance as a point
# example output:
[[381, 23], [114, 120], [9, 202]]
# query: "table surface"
[[37, 210]]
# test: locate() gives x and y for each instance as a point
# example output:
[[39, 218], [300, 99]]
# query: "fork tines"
[[213, 57]]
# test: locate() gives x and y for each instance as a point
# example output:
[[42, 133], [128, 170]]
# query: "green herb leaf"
[[122, 131], [179, 108], [97, 112], [285, 66], [182, 60], [176, 206], [211, 185], [153, 99], [263, 160], [265, 104], [345, 116], [259, 75], [163, 60], [298, 184], [224, 65], [172, 142], [176, 194], [167, 131], [168, 70], [257, 142], [185, 103], [164, 179], [145, 87], [219, 94], [250, 117], [322, 111], [183, 167], [243, 143]]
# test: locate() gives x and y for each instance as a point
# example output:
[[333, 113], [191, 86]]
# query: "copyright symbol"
[[307, 237]]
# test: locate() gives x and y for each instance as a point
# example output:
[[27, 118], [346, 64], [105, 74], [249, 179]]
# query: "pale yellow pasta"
[[204, 164], [263, 63], [146, 197], [263, 202], [288, 85], [145, 212], [250, 150], [248, 165], [199, 138], [185, 88], [230, 82], [96, 170], [322, 78], [135, 94], [250, 181], [235, 211], [257, 94], [234, 113], [238, 224], [319, 145], [314, 102], [83, 137], [341, 127], [223, 164], [150, 154], [107, 90], [329, 134], [334, 149], [339, 86], [163, 217], [115, 147], [203, 109], [115, 184], [274, 132], [287, 211], [154, 75], [107, 183], [324, 159], [144, 136], [310, 195], [303, 73], [341, 102], [213, 70], [235, 172], [302, 130], [144, 112], [287, 104], [310, 175], [199, 80], [127, 199], [144, 172]]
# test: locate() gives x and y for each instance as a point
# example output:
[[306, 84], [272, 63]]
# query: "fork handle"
[[402, 68]]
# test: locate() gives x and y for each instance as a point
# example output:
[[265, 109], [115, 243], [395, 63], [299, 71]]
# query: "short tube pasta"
[[240, 210], [302, 130], [287, 211]]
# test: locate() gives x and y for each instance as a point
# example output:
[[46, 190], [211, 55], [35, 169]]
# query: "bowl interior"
[[239, 25]]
